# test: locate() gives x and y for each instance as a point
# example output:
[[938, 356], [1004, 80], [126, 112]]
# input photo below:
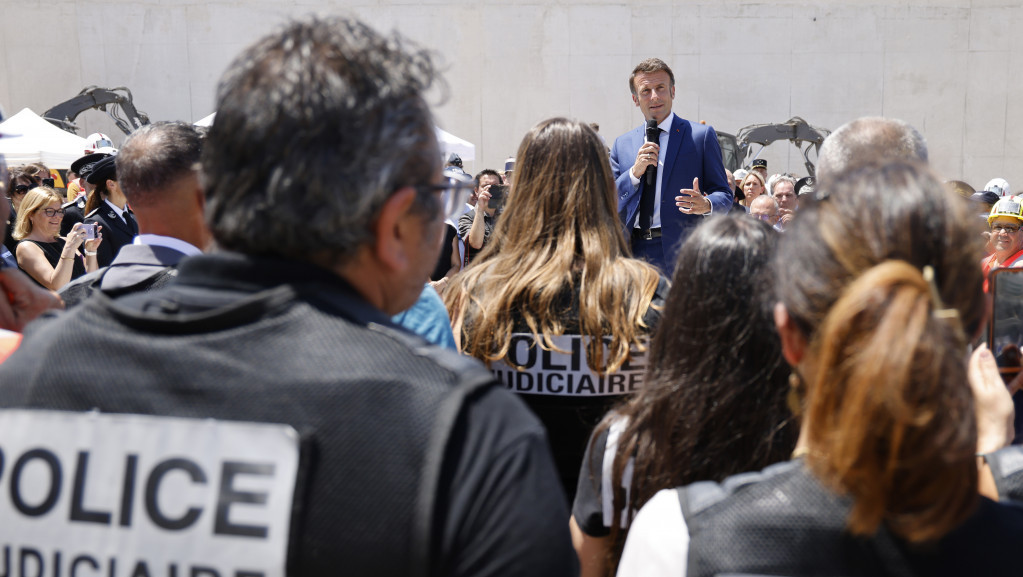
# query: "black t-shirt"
[[588, 506], [465, 224]]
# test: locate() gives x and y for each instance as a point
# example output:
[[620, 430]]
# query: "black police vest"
[[375, 407], [780, 521]]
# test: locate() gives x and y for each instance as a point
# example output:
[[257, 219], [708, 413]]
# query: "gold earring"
[[794, 399]]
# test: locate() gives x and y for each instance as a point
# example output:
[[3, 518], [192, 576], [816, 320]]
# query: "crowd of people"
[[647, 365]]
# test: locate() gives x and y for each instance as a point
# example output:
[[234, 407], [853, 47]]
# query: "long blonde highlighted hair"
[[559, 232]]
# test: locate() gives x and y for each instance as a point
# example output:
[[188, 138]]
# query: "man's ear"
[[793, 342], [635, 100], [392, 229]]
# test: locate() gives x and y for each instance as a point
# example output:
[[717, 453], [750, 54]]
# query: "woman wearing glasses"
[[553, 304], [50, 260]]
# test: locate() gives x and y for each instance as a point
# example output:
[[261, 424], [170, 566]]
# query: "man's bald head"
[[765, 208], [867, 139], [154, 157]]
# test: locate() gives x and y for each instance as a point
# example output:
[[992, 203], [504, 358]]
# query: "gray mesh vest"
[[374, 406], [779, 522]]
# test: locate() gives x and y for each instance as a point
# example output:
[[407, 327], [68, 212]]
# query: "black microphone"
[[653, 134]]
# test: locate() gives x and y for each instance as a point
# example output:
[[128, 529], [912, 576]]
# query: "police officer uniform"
[[119, 226], [74, 211]]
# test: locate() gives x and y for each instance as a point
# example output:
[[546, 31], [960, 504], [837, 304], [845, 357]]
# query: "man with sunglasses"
[[276, 420], [18, 183]]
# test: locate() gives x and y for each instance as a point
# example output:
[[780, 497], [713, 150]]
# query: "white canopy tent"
[[39, 141], [206, 121], [449, 143]]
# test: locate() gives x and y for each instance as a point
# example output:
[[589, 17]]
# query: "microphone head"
[[653, 134]]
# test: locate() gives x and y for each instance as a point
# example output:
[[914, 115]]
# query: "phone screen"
[[1006, 333]]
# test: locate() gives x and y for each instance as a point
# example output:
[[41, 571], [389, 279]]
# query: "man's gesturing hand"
[[692, 201]]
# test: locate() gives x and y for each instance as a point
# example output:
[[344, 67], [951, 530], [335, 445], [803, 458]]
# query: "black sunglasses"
[[21, 189]]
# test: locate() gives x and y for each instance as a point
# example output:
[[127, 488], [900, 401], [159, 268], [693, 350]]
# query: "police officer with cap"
[[760, 165], [74, 211], [108, 207]]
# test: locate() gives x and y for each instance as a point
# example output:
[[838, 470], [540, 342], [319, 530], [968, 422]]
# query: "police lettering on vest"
[[104, 495], [531, 370]]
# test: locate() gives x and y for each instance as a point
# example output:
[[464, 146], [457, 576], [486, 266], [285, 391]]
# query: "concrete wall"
[[949, 67]]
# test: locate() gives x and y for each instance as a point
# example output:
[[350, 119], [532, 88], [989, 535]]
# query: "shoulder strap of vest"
[[82, 288], [152, 282]]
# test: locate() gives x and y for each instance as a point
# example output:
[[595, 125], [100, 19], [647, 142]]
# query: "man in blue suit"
[[690, 172]]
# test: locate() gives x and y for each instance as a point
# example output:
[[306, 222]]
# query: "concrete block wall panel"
[[950, 67]]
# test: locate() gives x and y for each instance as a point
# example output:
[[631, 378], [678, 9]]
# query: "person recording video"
[[490, 198]]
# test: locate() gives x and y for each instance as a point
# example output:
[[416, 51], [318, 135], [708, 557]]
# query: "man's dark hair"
[[649, 66], [317, 126], [485, 172], [154, 156]]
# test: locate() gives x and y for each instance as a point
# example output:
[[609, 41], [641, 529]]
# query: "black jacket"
[[116, 233]]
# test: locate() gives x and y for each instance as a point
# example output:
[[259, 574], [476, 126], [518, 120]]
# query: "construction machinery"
[[737, 150], [115, 102]]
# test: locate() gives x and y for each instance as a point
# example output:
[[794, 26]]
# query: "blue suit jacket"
[[693, 152]]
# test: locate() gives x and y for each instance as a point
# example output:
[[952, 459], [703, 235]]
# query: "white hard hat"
[[99, 140], [998, 186]]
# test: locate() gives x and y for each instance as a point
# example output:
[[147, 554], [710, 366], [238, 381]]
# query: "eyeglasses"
[[52, 212], [21, 189], [763, 217], [1006, 228], [454, 192]]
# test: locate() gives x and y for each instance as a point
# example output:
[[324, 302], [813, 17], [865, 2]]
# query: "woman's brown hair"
[[560, 230], [96, 197], [888, 410]]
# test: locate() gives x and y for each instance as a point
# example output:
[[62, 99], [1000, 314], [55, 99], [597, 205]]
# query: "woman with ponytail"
[[879, 297]]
